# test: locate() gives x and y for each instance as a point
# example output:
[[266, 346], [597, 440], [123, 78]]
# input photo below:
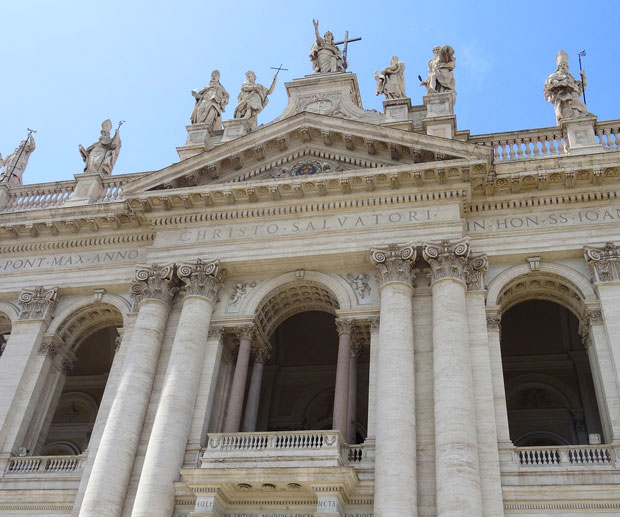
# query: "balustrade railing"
[[577, 455], [45, 195], [44, 464], [282, 444], [536, 143]]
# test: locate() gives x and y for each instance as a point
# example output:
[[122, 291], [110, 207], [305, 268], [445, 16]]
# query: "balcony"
[[285, 449], [45, 466]]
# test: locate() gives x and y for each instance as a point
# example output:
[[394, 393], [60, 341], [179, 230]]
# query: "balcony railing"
[[582, 456], [308, 447], [34, 465]]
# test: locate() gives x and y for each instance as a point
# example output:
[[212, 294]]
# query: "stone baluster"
[[153, 290], [456, 444], [23, 365], [166, 448], [341, 396], [261, 356], [237, 391], [395, 463], [352, 399]]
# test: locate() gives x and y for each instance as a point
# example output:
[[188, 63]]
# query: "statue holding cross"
[[325, 54]]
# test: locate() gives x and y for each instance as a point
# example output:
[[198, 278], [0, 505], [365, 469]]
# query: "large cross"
[[346, 42]]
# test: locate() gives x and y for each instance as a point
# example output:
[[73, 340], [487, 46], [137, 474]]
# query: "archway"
[[91, 333], [549, 389], [5, 331]]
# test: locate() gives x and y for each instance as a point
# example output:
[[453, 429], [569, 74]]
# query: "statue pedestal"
[[579, 134], [397, 113], [4, 195], [88, 188], [200, 137], [440, 119], [236, 128]]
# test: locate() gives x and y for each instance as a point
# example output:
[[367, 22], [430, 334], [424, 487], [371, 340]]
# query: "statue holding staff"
[[325, 54], [253, 98], [101, 156]]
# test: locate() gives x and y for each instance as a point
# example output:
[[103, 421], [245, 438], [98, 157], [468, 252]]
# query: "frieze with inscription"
[[70, 260]]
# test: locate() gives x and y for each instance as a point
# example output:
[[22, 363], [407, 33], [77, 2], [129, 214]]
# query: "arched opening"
[[290, 384], [549, 388], [300, 377], [76, 410]]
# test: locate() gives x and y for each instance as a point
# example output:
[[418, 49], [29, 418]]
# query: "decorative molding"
[[494, 323], [38, 303], [201, 278], [154, 282], [345, 326], [448, 259], [394, 262], [475, 269], [262, 354], [374, 323], [247, 331], [49, 349], [216, 333], [604, 262], [88, 242], [239, 292], [360, 283]]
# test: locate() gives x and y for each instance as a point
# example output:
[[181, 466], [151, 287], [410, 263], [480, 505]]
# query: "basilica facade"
[[340, 312]]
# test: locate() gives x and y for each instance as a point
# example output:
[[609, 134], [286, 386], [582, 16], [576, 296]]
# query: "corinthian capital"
[[394, 262], [345, 326], [38, 303], [154, 282], [475, 269], [201, 278], [604, 262], [447, 259]]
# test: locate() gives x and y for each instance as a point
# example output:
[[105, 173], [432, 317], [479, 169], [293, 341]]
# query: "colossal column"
[[395, 462], [237, 391], [24, 365], [341, 394], [166, 448], [154, 289], [456, 445], [261, 356]]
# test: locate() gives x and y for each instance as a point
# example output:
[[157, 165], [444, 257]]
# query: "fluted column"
[[153, 290], [24, 365], [352, 398], [456, 445], [237, 391], [341, 394], [166, 448], [395, 462], [261, 356]]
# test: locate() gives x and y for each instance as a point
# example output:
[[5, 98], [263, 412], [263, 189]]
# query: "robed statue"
[[440, 77], [564, 91], [324, 54], [101, 156], [16, 162], [210, 103], [253, 98], [391, 80]]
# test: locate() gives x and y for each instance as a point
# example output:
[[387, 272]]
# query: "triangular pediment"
[[307, 144]]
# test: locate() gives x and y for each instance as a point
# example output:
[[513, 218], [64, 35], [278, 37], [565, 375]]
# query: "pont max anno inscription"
[[575, 217], [69, 260]]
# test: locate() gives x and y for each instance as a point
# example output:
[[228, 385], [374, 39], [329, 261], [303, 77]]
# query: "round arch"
[[579, 282], [538, 380], [10, 310]]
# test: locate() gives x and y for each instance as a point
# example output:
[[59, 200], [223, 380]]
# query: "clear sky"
[[68, 65]]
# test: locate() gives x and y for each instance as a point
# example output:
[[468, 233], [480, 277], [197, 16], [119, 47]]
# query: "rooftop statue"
[[565, 91], [101, 156], [325, 54], [253, 98], [210, 103], [391, 80], [440, 77], [16, 162]]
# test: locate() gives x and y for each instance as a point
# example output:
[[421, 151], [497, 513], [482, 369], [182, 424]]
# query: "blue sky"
[[68, 65]]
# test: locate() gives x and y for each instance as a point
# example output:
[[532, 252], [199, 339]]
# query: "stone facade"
[[143, 317]]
